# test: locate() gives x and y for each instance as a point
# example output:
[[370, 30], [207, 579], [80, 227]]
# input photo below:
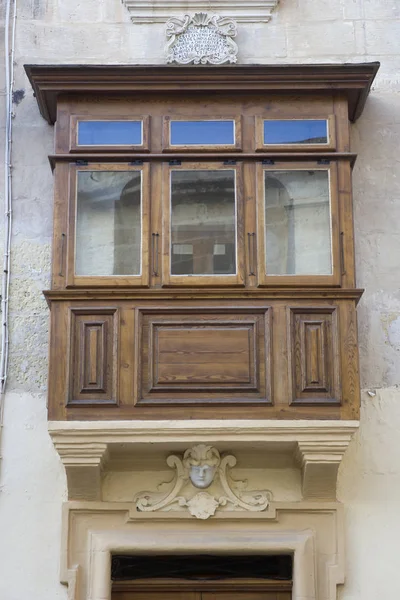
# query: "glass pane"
[[108, 223], [297, 223], [203, 223], [296, 132], [110, 133], [206, 133]]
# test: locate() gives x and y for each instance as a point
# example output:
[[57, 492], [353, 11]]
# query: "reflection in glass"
[[290, 131], [297, 223], [203, 227], [108, 223], [206, 133], [110, 133]]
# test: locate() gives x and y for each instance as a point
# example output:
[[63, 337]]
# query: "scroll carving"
[[203, 467]]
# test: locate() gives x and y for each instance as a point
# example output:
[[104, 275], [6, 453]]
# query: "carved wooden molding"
[[243, 11], [317, 447]]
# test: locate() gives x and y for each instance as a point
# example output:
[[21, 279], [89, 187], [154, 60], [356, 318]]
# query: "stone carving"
[[203, 467], [202, 462], [201, 39]]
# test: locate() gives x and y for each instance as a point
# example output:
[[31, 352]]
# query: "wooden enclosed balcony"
[[203, 252]]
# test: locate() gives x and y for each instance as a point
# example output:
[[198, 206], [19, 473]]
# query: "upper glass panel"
[[291, 131], [298, 238], [203, 222], [108, 223], [110, 133], [202, 133]]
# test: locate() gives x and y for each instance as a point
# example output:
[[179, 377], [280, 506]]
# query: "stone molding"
[[311, 531], [317, 447], [243, 11]]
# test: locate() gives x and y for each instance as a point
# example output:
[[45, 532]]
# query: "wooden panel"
[[203, 355], [222, 589], [250, 595], [93, 361], [160, 595], [270, 387], [314, 352]]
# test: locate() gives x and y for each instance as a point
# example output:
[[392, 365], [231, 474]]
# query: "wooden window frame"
[[194, 148], [329, 146], [330, 280], [141, 280], [75, 147], [168, 279]]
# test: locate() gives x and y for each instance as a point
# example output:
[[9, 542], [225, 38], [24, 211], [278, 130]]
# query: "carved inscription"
[[201, 39]]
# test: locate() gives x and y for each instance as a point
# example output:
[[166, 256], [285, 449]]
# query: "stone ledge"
[[243, 11], [317, 447]]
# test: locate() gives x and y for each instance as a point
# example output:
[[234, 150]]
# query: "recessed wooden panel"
[[314, 355], [203, 356], [93, 359]]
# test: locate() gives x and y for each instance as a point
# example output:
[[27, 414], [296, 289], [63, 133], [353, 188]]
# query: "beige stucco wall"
[[32, 481]]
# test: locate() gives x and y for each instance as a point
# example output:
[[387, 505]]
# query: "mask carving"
[[202, 462]]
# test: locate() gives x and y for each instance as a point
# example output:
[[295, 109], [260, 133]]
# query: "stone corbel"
[[319, 463], [83, 465]]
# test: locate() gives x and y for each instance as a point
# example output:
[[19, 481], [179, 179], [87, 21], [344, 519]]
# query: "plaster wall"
[[32, 481]]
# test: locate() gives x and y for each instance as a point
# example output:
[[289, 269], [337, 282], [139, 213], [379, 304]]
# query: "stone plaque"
[[201, 39]]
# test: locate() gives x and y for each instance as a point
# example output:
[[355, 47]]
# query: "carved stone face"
[[201, 475]]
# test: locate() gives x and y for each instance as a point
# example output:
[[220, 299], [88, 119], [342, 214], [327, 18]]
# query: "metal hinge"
[[324, 161], [135, 163], [230, 162], [81, 163], [268, 161], [175, 163]]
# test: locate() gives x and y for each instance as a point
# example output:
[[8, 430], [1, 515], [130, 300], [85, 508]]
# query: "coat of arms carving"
[[201, 39]]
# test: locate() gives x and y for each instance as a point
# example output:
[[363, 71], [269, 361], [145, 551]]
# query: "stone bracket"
[[317, 447], [319, 462], [83, 462]]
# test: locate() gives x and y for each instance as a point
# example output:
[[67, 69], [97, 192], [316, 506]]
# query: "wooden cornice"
[[50, 81], [291, 294]]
